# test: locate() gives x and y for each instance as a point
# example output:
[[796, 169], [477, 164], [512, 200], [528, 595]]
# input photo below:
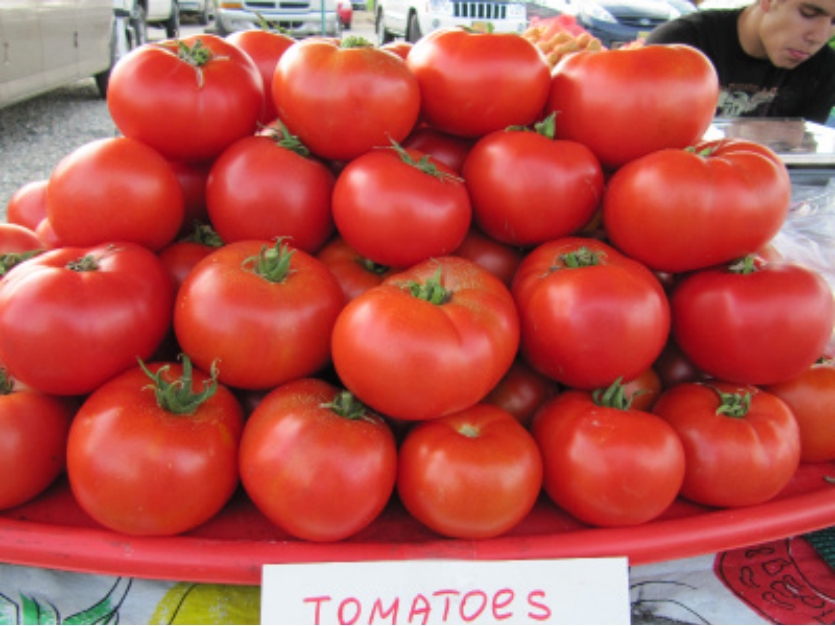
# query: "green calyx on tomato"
[[6, 383], [272, 264], [197, 56], [178, 397], [372, 266], [283, 138], [581, 257], [431, 291], [347, 405], [614, 396], [745, 265], [203, 234], [87, 263], [355, 41], [424, 164], [734, 404], [11, 259], [546, 128]]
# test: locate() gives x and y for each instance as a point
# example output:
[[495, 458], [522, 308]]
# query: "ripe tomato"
[[400, 48], [606, 463], [624, 104], [33, 441], [136, 196], [71, 318], [448, 149], [673, 367], [446, 318], [473, 83], [741, 444], [354, 272], [643, 390], [265, 311], [471, 475], [188, 98], [399, 207], [500, 259], [192, 178], [811, 398], [754, 322], [527, 189], [15, 238], [308, 449], [181, 256], [341, 100], [522, 391], [265, 48], [264, 187], [682, 210], [177, 430], [589, 315], [27, 206]]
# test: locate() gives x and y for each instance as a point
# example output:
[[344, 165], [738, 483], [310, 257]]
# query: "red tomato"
[[113, 190], [46, 234], [445, 318], [33, 441], [472, 475], [448, 149], [71, 318], [605, 463], [811, 398], [181, 256], [527, 189], [265, 311], [400, 47], [741, 444], [27, 206], [473, 83], [264, 187], [500, 259], [265, 47], [188, 98], [178, 433], [399, 207], [354, 272], [307, 450], [589, 315], [755, 323], [192, 178], [673, 366], [522, 391], [342, 101], [643, 390], [624, 104], [15, 238], [682, 210]]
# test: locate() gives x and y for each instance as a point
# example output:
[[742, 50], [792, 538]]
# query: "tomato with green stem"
[[154, 451], [316, 461]]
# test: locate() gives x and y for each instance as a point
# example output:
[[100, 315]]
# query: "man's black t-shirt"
[[754, 87]]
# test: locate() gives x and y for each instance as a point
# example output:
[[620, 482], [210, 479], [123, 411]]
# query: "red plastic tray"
[[53, 532]]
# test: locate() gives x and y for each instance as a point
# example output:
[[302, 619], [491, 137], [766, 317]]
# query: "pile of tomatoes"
[[333, 274]]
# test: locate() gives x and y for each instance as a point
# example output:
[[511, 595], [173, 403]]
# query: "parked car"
[[345, 11], [50, 44], [411, 19], [203, 10], [616, 22], [298, 18], [164, 14]]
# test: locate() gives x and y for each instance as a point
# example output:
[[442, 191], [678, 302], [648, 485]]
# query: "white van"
[[46, 44]]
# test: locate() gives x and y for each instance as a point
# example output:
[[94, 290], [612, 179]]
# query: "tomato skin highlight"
[[607, 466], [755, 328], [65, 331], [470, 475], [139, 469], [316, 474], [731, 461], [386, 339], [666, 98]]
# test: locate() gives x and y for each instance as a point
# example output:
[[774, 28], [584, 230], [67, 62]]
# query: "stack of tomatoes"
[[333, 274]]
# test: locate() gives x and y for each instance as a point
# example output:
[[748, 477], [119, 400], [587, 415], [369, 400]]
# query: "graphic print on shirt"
[[737, 100]]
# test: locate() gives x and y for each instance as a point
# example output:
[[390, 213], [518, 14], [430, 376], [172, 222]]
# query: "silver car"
[[299, 18]]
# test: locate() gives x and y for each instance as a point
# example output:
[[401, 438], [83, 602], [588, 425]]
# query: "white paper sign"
[[561, 591]]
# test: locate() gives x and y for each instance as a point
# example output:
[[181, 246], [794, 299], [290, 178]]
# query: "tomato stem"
[[425, 164], [6, 383], [203, 234], [272, 264], [372, 266], [283, 138], [177, 397], [87, 263], [581, 257], [733, 404], [345, 404], [431, 291], [745, 265], [197, 56], [355, 41], [613, 397]]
